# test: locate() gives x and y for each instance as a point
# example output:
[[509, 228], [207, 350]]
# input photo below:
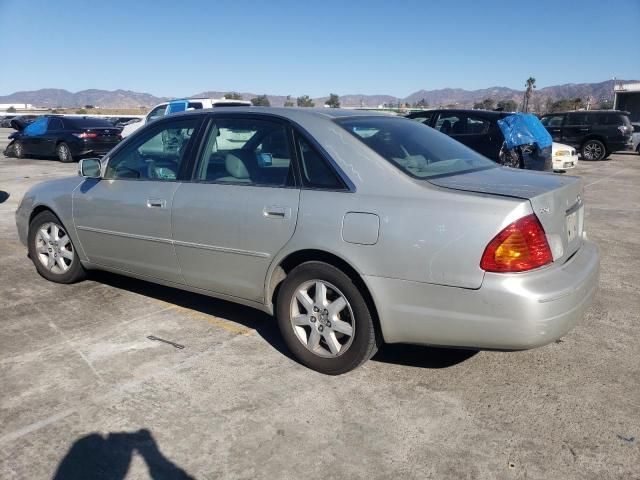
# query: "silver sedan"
[[352, 228]]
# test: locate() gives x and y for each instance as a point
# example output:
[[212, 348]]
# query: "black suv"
[[479, 130], [594, 133]]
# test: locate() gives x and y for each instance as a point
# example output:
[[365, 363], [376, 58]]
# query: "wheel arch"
[[594, 136], [293, 259]]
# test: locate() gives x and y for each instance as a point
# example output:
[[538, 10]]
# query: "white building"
[[17, 106]]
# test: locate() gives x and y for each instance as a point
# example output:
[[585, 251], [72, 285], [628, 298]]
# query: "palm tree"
[[530, 86]]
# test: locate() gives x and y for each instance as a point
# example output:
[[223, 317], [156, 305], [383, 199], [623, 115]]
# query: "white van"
[[181, 105]]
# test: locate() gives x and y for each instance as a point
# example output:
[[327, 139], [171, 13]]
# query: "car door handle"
[[156, 203], [275, 211]]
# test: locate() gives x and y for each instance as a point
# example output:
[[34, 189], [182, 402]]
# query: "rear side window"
[[316, 171], [54, 124], [414, 148], [579, 118], [246, 151], [477, 125], [614, 119]]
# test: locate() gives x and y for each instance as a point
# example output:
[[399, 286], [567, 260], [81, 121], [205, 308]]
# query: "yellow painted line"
[[226, 325]]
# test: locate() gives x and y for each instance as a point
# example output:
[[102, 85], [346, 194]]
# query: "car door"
[[51, 136], [31, 136], [240, 208], [479, 136], [553, 124], [576, 126], [123, 220]]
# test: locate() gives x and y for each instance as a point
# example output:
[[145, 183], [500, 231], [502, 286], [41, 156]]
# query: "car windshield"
[[414, 148]]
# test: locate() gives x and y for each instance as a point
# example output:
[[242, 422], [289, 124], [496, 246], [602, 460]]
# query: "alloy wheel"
[[593, 151], [322, 318], [54, 248], [63, 152]]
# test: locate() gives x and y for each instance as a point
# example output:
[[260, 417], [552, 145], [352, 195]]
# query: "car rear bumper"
[[508, 312], [565, 162]]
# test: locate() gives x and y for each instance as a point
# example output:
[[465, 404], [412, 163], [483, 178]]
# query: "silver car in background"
[[352, 228]]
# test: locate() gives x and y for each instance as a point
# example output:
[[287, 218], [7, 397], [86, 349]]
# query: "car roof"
[[292, 113], [622, 112], [483, 113]]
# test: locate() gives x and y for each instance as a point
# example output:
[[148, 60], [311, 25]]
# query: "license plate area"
[[574, 224]]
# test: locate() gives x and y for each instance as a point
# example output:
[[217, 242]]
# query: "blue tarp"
[[524, 129]]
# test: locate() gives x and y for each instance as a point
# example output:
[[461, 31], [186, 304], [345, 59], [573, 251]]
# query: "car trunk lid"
[[555, 199]]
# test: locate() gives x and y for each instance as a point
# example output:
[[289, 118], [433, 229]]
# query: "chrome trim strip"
[[176, 242], [249, 253], [126, 235]]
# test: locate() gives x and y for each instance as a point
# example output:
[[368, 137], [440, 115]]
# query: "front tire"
[[324, 319], [18, 149], [64, 153], [52, 251], [593, 150]]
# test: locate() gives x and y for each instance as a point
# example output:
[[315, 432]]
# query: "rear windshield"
[[417, 150], [87, 123]]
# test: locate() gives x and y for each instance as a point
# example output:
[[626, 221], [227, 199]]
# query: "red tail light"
[[86, 135], [519, 247]]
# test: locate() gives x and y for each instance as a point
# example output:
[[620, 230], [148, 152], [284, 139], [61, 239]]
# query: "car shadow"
[[421, 356], [3, 196], [267, 327], [252, 318], [108, 457]]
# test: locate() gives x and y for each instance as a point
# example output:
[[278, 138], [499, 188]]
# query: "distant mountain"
[[55, 97], [51, 97]]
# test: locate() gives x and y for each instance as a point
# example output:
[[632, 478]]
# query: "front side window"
[[552, 120], [155, 155], [36, 128], [424, 117], [156, 113], [246, 152], [450, 124], [414, 148]]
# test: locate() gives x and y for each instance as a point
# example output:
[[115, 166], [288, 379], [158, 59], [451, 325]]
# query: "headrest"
[[236, 167]]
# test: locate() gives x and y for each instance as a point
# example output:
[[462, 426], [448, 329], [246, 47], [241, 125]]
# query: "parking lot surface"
[[85, 394]]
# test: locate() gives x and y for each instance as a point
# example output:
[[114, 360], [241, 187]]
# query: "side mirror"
[[90, 168]]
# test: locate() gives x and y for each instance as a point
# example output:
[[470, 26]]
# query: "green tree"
[[288, 102], [233, 96], [486, 104], [261, 101], [11, 109], [305, 101], [82, 111], [530, 85], [333, 101], [507, 105]]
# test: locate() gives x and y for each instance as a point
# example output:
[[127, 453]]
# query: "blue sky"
[[178, 48]]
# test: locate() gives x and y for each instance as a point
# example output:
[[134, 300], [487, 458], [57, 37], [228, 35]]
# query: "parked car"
[[353, 228], [481, 131], [64, 137], [564, 157], [594, 133], [18, 122], [181, 105], [121, 122], [5, 121], [636, 137]]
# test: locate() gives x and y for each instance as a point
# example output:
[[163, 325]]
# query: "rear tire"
[[593, 150], [325, 320], [64, 153], [52, 251]]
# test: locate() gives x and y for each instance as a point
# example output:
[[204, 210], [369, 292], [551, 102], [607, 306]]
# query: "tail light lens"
[[86, 135], [521, 246]]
